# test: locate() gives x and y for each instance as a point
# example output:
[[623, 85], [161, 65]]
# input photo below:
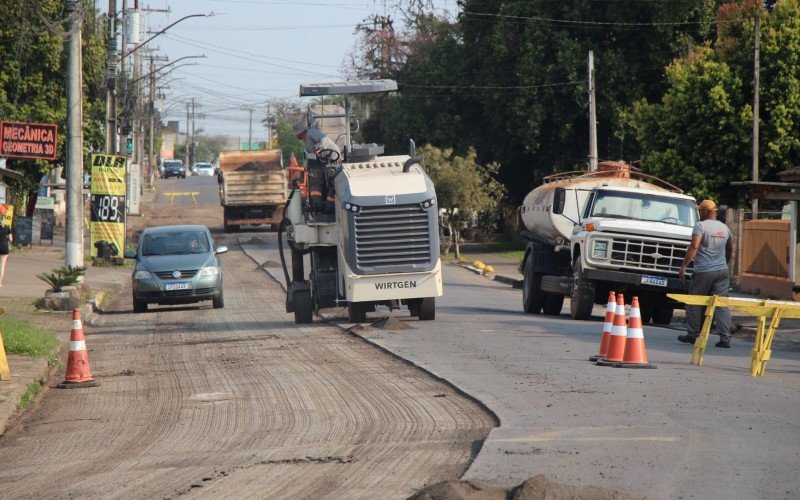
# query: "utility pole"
[[592, 117], [74, 175], [269, 127], [111, 79], [250, 133], [186, 153], [152, 107], [194, 115], [756, 90], [123, 64]]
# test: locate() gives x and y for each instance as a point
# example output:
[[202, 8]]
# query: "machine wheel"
[[303, 313], [532, 296], [553, 303], [139, 306], [219, 301], [663, 314], [427, 309], [582, 293], [357, 312]]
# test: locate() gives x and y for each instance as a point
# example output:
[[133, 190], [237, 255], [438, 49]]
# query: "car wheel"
[[663, 314], [139, 306], [219, 301]]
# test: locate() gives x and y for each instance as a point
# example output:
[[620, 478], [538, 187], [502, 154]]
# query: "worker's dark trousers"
[[316, 182], [709, 283]]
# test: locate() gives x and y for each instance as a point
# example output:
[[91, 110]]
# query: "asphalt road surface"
[[238, 402]]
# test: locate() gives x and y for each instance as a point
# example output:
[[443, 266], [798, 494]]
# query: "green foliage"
[[29, 396], [23, 338], [289, 143], [62, 277]]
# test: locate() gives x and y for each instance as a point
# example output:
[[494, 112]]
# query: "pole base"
[[77, 385]]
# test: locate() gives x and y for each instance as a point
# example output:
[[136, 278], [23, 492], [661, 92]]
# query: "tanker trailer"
[[615, 228]]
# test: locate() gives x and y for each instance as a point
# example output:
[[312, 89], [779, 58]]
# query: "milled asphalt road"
[[676, 431]]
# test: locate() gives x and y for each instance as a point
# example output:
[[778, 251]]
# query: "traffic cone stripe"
[[635, 333], [76, 324], [79, 345], [635, 313]]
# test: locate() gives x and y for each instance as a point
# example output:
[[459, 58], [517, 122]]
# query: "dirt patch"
[[255, 241], [389, 323], [270, 264], [536, 488]]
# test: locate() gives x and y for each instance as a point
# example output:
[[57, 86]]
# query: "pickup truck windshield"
[[644, 207]]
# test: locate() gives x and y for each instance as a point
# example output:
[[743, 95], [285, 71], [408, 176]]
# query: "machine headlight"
[[429, 203], [142, 275], [209, 271], [600, 250], [351, 207]]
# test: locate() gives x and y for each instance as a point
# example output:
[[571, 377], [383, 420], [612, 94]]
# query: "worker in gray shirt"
[[320, 150], [711, 250]]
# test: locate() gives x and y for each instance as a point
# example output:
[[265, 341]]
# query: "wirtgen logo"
[[391, 285], [390, 200]]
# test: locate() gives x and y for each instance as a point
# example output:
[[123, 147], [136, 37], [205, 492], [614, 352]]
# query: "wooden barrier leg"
[[702, 339], [763, 349]]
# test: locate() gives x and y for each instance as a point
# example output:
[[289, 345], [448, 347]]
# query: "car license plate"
[[182, 285], [654, 281]]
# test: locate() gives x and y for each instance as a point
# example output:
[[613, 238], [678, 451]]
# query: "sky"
[[255, 51]]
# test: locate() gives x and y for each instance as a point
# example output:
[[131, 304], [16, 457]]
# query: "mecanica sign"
[[28, 140]]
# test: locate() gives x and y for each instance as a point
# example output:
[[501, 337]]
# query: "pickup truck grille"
[[648, 255], [392, 235]]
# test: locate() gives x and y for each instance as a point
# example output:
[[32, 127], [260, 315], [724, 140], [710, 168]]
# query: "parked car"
[[202, 168], [173, 168], [176, 265]]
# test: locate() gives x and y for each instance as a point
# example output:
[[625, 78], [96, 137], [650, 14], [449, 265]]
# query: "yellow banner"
[[8, 215], [107, 226], [108, 233]]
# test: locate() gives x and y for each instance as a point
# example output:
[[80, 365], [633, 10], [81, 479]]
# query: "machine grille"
[[647, 255], [392, 235]]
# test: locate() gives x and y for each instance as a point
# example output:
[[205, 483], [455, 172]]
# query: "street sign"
[[28, 140], [107, 223]]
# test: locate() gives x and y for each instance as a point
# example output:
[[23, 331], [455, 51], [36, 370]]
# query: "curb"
[[508, 280]]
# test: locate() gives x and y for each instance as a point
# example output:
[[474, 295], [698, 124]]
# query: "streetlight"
[[210, 14], [153, 72]]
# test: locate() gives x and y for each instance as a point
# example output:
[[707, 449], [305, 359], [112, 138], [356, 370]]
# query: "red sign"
[[28, 140]]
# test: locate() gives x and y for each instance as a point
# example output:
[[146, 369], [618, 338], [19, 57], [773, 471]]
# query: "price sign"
[[108, 204]]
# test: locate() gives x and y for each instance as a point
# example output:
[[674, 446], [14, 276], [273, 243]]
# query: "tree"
[[463, 188], [289, 143]]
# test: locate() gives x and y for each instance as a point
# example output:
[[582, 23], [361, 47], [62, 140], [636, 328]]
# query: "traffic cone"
[[611, 309], [635, 352], [78, 373], [616, 343]]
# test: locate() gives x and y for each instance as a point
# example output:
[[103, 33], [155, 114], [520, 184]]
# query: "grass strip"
[[20, 337], [29, 396]]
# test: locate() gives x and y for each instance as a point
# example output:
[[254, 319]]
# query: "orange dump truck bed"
[[253, 189]]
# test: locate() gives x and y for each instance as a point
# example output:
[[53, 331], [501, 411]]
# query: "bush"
[[62, 277]]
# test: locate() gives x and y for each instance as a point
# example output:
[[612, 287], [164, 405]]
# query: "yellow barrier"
[[5, 372], [173, 195], [762, 309]]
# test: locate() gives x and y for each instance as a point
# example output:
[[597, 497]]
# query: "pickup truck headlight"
[[600, 250], [209, 271], [142, 275]]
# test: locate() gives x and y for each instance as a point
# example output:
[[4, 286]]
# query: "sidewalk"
[[21, 288]]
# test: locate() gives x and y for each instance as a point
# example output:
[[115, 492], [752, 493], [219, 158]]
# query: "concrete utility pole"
[[152, 108], [111, 79], [250, 133], [756, 90], [592, 117], [186, 153], [194, 115], [123, 66], [74, 163]]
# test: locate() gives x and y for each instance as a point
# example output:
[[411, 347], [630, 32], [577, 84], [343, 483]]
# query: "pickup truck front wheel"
[[582, 298], [532, 294]]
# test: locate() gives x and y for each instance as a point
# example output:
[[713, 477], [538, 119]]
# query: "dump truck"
[[378, 244], [615, 228], [253, 188]]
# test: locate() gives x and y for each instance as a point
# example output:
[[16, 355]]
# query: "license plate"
[[183, 285], [654, 281]]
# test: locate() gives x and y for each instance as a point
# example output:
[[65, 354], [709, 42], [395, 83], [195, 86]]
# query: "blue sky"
[[256, 51]]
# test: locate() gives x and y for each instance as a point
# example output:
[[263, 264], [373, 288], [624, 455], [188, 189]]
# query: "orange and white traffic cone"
[[611, 309], [635, 351], [619, 331], [78, 372]]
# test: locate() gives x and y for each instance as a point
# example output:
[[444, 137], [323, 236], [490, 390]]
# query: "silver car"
[[176, 265]]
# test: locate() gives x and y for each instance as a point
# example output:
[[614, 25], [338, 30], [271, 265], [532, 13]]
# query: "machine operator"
[[320, 150]]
